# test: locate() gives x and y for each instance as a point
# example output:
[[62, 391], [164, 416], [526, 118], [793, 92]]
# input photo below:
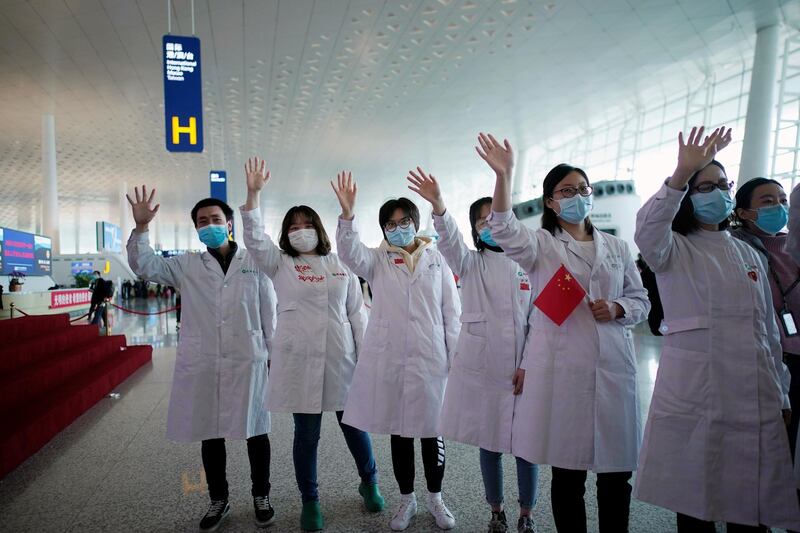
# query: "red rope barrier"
[[80, 317], [143, 313]]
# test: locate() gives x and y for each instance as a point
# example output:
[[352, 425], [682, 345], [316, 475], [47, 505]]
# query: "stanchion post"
[[11, 310], [105, 319]]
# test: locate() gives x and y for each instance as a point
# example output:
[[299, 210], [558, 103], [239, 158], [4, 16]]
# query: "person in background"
[[485, 378], [715, 445], [760, 214], [321, 322], [413, 329], [656, 314], [580, 396], [221, 380], [97, 295]]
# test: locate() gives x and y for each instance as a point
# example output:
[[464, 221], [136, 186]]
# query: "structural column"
[[760, 106], [50, 216], [124, 212]]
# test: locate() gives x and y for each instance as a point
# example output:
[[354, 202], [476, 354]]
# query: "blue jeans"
[[492, 472], [304, 453]]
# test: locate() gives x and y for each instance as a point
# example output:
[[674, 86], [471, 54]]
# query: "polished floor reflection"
[[113, 469]]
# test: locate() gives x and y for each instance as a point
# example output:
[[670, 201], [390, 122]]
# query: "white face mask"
[[304, 240]]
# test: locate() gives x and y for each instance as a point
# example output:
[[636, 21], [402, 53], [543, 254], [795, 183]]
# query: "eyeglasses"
[[392, 225], [569, 192], [723, 185]]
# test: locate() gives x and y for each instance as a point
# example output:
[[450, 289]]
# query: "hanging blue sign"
[[183, 94], [219, 184]]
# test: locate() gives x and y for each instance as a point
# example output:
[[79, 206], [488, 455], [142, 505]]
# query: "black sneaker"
[[498, 523], [217, 512], [525, 525], [265, 514]]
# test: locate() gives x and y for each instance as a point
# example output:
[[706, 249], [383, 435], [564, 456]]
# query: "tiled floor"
[[113, 470]]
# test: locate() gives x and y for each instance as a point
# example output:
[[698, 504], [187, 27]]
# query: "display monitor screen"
[[25, 252]]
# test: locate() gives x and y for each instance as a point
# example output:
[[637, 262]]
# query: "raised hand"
[[256, 173], [142, 212], [499, 157], [346, 191], [723, 139], [256, 176], [693, 155], [426, 186]]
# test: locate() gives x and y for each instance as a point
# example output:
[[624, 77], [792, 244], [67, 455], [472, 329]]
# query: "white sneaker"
[[444, 518], [404, 513]]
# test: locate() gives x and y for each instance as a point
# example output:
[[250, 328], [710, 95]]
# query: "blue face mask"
[[213, 235], [401, 237], [574, 210], [712, 207], [772, 219], [486, 236]]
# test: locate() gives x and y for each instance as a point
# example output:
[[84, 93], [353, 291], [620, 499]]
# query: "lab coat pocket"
[[682, 383], [470, 352], [286, 329], [258, 349], [348, 344], [190, 354], [435, 362], [376, 338]]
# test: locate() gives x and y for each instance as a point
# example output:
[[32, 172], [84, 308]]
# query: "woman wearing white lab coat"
[[413, 328], [485, 377], [715, 445], [220, 382], [320, 327], [580, 393]]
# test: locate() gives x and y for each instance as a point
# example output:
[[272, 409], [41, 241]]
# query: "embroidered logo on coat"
[[753, 274], [399, 261]]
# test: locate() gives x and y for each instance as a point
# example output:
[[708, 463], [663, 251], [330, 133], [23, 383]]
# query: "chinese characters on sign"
[[60, 299]]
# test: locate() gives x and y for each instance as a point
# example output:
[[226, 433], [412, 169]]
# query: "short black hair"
[[684, 221], [323, 242], [390, 206], [553, 178], [211, 202], [474, 213]]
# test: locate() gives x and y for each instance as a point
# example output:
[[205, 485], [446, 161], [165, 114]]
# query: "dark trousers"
[[688, 524], [304, 453], [214, 462], [433, 454], [569, 509]]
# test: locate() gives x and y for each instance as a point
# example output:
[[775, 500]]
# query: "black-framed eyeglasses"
[[392, 225], [723, 185], [569, 192]]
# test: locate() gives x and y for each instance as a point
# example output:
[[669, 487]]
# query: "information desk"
[[73, 301]]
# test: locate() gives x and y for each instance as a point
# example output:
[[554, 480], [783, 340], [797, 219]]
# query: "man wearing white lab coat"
[[220, 384]]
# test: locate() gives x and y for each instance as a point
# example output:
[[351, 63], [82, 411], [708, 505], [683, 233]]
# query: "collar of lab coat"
[[600, 246], [410, 259], [211, 263]]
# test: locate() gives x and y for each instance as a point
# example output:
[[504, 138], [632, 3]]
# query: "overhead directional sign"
[[219, 184], [183, 94]]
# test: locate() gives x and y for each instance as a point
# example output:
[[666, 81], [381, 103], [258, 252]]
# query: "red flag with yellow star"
[[560, 296]]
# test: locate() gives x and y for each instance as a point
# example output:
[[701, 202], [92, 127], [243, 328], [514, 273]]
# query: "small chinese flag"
[[560, 296]]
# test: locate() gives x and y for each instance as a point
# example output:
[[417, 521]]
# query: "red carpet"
[[50, 374]]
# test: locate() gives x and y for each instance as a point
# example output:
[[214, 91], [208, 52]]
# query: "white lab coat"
[[220, 384], [412, 333], [580, 396], [321, 322], [479, 402], [715, 444], [793, 249]]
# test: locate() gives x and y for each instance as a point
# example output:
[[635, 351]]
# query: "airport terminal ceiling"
[[315, 86]]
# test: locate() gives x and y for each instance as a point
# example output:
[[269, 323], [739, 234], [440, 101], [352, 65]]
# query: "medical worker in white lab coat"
[[580, 395], [321, 322], [715, 446], [413, 328], [485, 378], [219, 388], [793, 249]]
